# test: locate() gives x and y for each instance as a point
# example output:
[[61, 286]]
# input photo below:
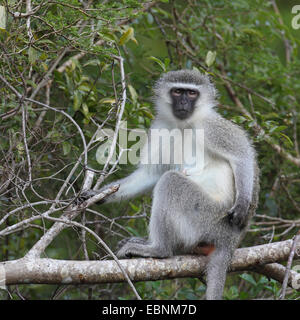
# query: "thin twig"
[[118, 123], [288, 266], [286, 42]]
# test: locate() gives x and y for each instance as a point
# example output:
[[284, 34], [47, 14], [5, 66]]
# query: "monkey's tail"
[[216, 271]]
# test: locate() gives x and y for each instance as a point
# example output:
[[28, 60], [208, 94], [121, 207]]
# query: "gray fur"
[[184, 212]]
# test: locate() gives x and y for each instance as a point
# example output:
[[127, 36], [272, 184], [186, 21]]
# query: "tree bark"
[[50, 271]]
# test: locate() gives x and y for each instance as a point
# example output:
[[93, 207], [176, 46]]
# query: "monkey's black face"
[[183, 102]]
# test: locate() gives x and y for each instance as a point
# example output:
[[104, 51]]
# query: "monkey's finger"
[[81, 198]]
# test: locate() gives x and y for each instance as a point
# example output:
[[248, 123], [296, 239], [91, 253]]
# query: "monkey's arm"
[[231, 143], [139, 182], [243, 171]]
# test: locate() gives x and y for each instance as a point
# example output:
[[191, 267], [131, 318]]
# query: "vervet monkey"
[[193, 207]]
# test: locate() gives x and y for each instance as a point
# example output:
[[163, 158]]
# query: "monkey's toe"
[[123, 253]]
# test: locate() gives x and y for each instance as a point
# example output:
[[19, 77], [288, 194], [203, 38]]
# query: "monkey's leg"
[[216, 273], [185, 211], [139, 247], [175, 221], [191, 217], [181, 218]]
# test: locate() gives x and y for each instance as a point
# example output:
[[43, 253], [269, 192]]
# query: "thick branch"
[[50, 271], [277, 272]]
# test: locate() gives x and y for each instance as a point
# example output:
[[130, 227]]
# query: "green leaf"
[[31, 83], [150, 18], [85, 109], [107, 100], [46, 41], [239, 119], [278, 129], [33, 55], [133, 231], [148, 114], [288, 140], [44, 66], [252, 32], [66, 147], [84, 87], [3, 34], [93, 62], [159, 62], [20, 148], [248, 277], [134, 207], [133, 93], [167, 63], [126, 36], [72, 66], [210, 58], [43, 56], [77, 100]]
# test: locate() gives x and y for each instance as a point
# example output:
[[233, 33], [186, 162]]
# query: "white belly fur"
[[216, 179]]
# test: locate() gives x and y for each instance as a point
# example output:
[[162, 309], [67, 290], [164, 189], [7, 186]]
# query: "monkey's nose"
[[184, 102]]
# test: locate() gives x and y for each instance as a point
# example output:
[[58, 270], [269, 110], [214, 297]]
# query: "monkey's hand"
[[107, 191], [238, 214], [87, 194]]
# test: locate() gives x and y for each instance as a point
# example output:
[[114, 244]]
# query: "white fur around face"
[[184, 86]]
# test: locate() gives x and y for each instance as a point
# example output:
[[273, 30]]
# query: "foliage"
[[64, 55]]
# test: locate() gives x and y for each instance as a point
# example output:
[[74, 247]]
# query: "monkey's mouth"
[[182, 113]]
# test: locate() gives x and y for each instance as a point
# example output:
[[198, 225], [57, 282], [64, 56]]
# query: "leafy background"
[[241, 44]]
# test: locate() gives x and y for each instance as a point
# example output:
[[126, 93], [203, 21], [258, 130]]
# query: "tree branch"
[[50, 271]]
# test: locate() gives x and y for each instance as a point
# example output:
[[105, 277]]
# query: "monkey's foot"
[[131, 240], [127, 251]]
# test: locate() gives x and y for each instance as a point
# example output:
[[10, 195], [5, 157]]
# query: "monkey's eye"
[[176, 92], [192, 93]]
